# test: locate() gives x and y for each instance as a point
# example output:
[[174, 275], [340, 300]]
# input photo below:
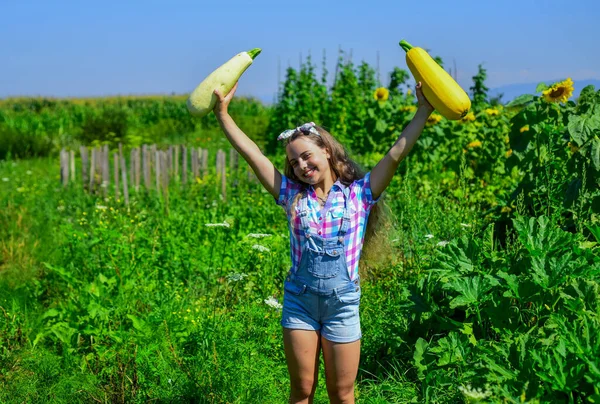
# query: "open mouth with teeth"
[[309, 173]]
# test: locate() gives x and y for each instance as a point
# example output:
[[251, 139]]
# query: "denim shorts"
[[333, 312]]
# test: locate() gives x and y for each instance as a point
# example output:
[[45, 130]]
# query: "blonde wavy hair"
[[377, 249]]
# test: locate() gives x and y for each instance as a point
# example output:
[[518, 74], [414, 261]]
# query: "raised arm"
[[266, 172], [382, 173]]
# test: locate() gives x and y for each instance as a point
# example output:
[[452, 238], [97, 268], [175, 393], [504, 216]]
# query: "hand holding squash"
[[441, 90], [422, 101], [223, 100]]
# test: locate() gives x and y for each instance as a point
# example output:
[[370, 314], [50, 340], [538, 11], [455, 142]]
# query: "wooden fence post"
[[194, 164], [124, 176], [72, 160], [152, 163], [84, 165], [165, 162], [105, 170], [132, 167], [64, 167], [92, 170], [177, 162], [184, 168], [223, 175], [116, 174], [137, 169], [204, 161]]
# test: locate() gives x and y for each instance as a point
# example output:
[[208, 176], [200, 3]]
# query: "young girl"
[[327, 201]]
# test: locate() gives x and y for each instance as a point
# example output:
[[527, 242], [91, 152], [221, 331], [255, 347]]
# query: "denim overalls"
[[320, 295]]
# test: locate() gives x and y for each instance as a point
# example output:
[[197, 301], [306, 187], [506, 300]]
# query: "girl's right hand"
[[421, 99], [220, 108]]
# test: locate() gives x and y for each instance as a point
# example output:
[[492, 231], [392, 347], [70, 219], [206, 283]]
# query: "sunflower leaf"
[[541, 87], [521, 101], [581, 127], [596, 152]]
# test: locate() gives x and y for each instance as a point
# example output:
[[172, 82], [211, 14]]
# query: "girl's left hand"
[[422, 101]]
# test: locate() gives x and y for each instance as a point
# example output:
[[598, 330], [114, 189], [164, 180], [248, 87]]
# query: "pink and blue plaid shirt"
[[326, 221]]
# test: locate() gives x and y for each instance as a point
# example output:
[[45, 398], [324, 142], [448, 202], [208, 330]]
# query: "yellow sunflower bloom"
[[433, 119], [559, 92], [408, 108], [492, 111], [574, 149], [473, 144], [470, 117], [381, 94], [524, 129]]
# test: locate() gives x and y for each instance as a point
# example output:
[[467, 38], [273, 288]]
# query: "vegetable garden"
[[489, 292]]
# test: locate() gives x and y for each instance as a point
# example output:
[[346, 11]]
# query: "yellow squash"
[[202, 100], [440, 89]]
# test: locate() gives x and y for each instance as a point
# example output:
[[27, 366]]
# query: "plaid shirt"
[[326, 222]]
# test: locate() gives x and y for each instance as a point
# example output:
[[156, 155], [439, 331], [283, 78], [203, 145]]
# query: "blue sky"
[[83, 48]]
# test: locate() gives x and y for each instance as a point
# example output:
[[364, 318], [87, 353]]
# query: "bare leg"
[[341, 368], [302, 350]]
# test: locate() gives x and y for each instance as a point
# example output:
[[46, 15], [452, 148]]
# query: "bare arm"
[[266, 172], [382, 173]]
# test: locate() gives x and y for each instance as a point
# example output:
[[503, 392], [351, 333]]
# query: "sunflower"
[[408, 108], [470, 117], [574, 149], [381, 94], [473, 144], [559, 92], [433, 119], [492, 111]]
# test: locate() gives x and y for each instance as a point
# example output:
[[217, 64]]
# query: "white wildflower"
[[258, 235], [5, 179], [260, 248], [235, 277], [465, 225], [224, 224], [428, 236], [442, 243], [100, 207], [273, 303], [474, 395]]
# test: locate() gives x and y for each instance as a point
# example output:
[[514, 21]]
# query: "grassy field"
[[490, 292]]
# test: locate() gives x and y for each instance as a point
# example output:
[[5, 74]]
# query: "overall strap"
[[304, 214], [346, 219]]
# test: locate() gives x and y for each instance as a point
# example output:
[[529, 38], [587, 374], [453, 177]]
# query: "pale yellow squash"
[[202, 100]]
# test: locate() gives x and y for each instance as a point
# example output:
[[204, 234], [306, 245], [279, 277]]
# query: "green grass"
[[106, 303]]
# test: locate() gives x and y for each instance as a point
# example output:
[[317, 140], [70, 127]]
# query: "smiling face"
[[309, 162]]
